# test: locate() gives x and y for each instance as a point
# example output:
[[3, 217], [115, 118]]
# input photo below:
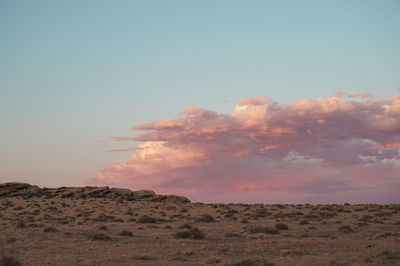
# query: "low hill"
[[16, 189]]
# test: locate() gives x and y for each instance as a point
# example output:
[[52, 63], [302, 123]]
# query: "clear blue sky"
[[73, 73]]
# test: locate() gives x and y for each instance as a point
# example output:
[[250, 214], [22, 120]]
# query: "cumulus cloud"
[[328, 149]]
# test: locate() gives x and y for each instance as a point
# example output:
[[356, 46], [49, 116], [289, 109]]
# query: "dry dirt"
[[107, 231]]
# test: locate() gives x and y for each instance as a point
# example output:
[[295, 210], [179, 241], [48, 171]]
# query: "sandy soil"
[[96, 231]]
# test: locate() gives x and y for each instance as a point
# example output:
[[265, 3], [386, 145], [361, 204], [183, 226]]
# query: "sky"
[[220, 101]]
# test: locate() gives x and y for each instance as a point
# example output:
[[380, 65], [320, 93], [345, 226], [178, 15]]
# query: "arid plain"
[[107, 226]]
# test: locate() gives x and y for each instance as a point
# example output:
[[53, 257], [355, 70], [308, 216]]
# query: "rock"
[[16, 189], [171, 199]]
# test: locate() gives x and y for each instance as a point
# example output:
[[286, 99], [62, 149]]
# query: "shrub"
[[99, 237], [280, 226], [126, 233], [185, 226], [193, 233], [261, 213], [232, 211], [263, 230], [103, 227], [20, 224], [206, 218], [311, 216], [213, 260], [147, 219], [9, 261], [11, 240], [50, 229], [141, 257], [244, 221], [345, 229], [250, 262], [232, 235]]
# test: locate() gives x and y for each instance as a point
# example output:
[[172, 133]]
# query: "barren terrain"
[[103, 226]]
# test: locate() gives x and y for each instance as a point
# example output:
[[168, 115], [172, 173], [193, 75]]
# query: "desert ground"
[[103, 226]]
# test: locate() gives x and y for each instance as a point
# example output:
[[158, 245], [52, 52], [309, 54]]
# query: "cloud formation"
[[323, 150]]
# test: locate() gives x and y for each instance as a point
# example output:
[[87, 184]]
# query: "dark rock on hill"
[[16, 189]]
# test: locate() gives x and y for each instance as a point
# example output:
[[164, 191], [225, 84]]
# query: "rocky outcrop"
[[16, 189]]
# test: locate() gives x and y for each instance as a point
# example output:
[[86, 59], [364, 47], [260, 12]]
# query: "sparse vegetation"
[[147, 219], [193, 233], [206, 218], [20, 224], [232, 235], [99, 237], [50, 229], [244, 221], [281, 226], [11, 240], [141, 257], [245, 242], [185, 226], [213, 260], [263, 230], [345, 229], [251, 262], [9, 261], [126, 233]]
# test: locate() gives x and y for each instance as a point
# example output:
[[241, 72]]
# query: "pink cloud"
[[260, 100], [268, 152], [361, 95], [122, 139], [339, 94], [122, 150]]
